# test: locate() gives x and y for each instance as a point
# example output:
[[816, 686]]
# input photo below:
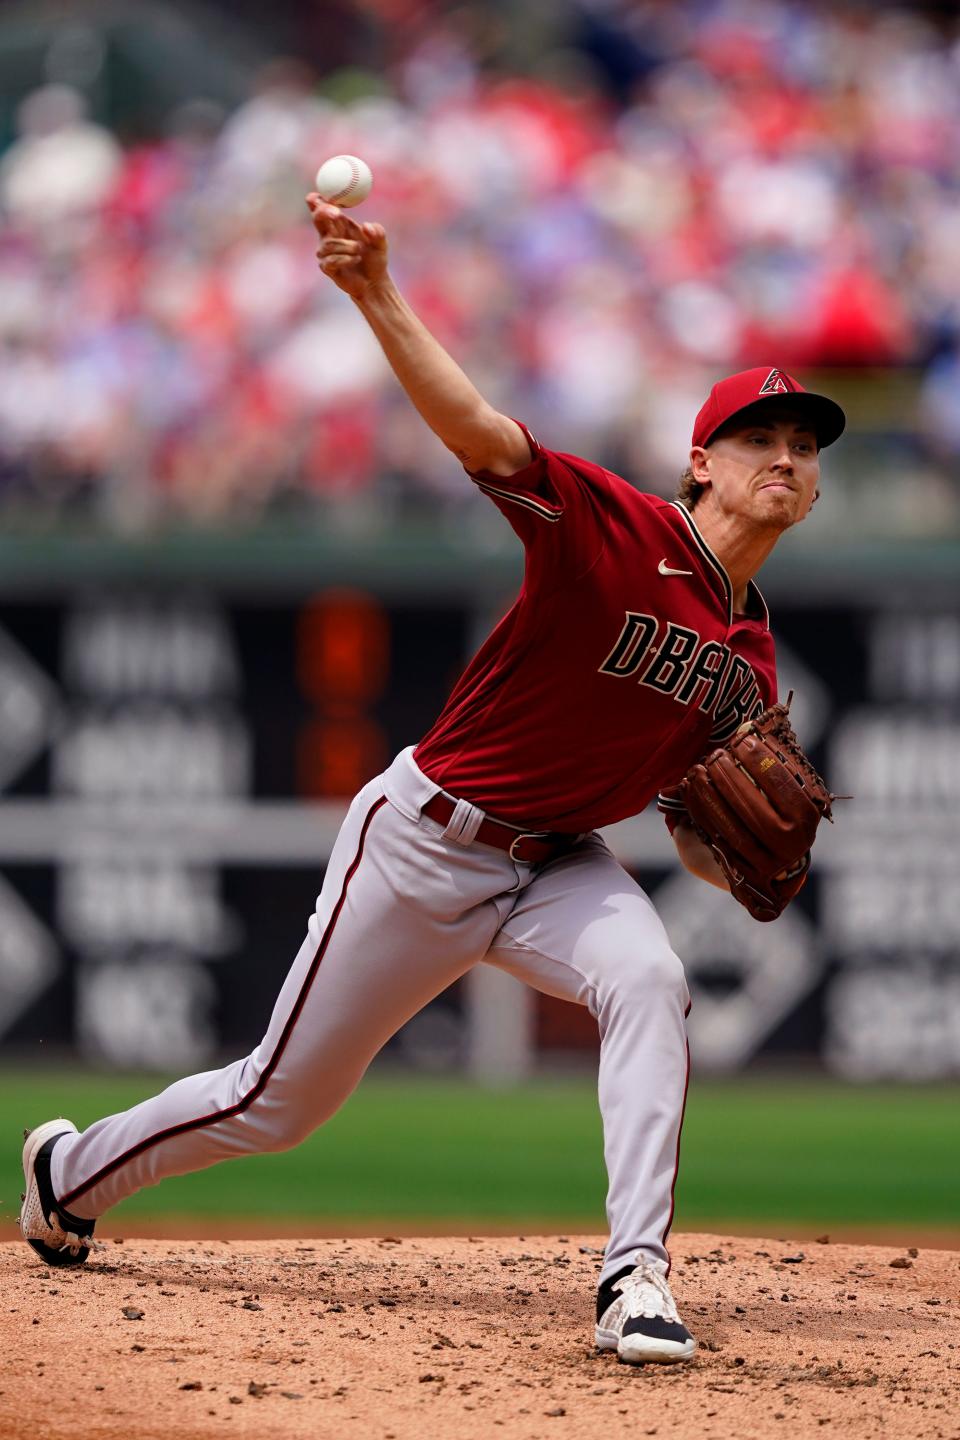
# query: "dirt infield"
[[411, 1339]]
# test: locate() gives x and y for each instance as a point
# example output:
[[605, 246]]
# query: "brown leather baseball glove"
[[757, 803]]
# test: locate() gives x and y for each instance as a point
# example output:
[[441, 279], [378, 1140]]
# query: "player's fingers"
[[318, 206], [335, 245], [332, 218], [331, 264], [327, 218], [374, 233]]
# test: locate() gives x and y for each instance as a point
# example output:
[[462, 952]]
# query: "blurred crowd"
[[777, 183]]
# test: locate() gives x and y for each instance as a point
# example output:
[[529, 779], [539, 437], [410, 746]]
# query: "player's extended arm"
[[354, 257], [696, 856]]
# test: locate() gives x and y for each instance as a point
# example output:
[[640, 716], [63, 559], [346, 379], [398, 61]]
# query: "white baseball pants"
[[407, 907]]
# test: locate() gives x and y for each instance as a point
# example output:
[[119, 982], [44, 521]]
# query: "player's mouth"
[[778, 485]]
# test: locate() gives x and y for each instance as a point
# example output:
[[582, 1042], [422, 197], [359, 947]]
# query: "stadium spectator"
[[591, 237]]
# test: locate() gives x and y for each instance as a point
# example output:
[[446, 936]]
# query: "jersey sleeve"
[[555, 504], [671, 806]]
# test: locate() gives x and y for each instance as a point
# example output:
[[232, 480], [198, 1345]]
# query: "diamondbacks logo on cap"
[[774, 385]]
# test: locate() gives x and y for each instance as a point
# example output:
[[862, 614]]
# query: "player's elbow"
[[493, 443]]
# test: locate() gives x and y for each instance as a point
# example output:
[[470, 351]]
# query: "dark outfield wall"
[[162, 750]]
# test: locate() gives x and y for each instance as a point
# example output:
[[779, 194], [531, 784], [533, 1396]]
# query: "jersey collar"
[[756, 605]]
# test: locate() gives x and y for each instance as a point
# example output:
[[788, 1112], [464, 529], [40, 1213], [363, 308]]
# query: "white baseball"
[[344, 180]]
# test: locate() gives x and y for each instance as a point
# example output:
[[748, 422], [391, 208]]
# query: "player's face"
[[765, 468]]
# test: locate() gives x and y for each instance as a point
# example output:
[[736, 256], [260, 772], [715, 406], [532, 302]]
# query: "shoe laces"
[[69, 1239], [647, 1293], [75, 1243]]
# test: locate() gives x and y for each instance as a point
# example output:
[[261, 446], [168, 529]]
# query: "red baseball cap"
[[739, 392]]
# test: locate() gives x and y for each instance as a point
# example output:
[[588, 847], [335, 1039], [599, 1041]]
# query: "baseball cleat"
[[57, 1236], [637, 1317]]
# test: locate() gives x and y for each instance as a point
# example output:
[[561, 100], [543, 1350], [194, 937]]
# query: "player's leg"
[[585, 931], [402, 914]]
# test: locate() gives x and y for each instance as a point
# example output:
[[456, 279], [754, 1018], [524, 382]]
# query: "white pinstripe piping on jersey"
[[709, 556], [667, 802], [536, 506], [712, 560]]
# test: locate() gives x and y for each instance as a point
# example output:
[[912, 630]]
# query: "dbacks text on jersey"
[[672, 660]]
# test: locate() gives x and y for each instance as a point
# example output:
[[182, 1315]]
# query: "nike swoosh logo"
[[665, 569]]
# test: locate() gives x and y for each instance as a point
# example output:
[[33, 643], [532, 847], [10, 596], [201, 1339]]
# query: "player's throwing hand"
[[353, 255]]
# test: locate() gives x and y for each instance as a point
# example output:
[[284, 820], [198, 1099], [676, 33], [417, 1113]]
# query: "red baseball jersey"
[[620, 664]]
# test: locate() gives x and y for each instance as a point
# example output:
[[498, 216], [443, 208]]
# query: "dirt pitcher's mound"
[[420, 1339]]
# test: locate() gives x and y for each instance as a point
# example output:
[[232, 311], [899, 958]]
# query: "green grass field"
[[754, 1150]]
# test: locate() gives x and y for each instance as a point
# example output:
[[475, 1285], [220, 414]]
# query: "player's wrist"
[[377, 295]]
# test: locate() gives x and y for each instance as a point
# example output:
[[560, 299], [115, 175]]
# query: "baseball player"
[[638, 642]]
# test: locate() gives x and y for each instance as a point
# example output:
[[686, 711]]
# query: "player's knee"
[[650, 973], [664, 969], [289, 1125], [291, 1134]]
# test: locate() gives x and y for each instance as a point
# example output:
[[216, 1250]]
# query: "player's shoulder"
[[616, 485], [581, 466], [641, 512]]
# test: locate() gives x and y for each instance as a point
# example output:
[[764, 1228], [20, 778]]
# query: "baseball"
[[344, 180]]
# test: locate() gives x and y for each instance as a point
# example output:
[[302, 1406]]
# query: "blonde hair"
[[689, 490]]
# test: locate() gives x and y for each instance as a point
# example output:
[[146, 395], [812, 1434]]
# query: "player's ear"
[[700, 465]]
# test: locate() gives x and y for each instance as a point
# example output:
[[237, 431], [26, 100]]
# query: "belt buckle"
[[525, 835]]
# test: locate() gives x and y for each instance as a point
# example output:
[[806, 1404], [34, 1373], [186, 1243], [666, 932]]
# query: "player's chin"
[[779, 507]]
